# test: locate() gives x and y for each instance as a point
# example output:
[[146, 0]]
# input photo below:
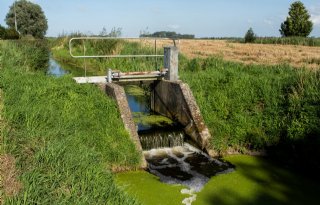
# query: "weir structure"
[[170, 97]]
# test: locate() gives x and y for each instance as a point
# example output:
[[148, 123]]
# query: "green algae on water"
[[151, 120]]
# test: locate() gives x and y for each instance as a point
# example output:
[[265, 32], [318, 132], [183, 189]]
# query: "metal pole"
[[15, 16], [85, 63], [109, 75], [155, 53]]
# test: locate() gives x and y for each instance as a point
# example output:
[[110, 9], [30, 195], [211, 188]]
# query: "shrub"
[[12, 34], [250, 37]]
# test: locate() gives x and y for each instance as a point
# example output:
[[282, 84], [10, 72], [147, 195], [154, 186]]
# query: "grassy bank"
[[65, 137], [256, 106]]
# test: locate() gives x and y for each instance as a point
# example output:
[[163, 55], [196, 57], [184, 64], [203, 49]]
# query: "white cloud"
[[268, 22], [316, 20], [315, 15], [250, 21], [173, 26]]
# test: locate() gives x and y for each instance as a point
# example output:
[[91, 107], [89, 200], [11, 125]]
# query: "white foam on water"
[[189, 200], [180, 155], [196, 182]]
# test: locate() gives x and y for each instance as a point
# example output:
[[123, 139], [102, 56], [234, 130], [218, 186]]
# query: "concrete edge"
[[117, 92], [196, 116]]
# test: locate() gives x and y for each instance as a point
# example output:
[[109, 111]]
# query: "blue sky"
[[204, 18]]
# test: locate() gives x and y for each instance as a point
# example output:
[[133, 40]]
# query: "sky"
[[203, 18]]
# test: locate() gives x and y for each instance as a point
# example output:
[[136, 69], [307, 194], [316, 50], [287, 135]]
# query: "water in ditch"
[[166, 148], [59, 69]]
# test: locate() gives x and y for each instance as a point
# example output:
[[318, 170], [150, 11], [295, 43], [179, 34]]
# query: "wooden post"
[[171, 62]]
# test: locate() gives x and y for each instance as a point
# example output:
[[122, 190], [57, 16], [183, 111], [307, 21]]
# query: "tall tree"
[[30, 19], [298, 22]]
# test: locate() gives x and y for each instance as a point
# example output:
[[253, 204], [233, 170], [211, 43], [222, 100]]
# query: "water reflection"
[[55, 68]]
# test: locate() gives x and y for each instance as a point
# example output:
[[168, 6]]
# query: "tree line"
[[167, 34]]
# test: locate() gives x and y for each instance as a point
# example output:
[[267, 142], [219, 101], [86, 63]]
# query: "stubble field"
[[270, 54]]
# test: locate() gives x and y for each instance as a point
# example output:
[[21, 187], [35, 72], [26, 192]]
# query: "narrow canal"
[[170, 154], [168, 150]]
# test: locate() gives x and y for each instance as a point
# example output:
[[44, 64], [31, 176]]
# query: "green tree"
[[298, 22], [31, 20], [250, 36]]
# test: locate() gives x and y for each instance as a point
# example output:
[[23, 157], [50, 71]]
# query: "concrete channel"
[[170, 97]]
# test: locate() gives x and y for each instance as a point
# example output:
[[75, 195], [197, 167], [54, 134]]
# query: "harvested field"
[[298, 56]]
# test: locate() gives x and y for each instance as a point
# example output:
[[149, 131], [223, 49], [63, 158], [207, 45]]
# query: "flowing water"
[[155, 131], [185, 165], [168, 154]]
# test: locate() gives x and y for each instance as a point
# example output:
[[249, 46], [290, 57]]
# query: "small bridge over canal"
[[170, 97]]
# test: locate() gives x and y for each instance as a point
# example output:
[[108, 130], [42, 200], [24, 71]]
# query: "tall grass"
[[65, 137], [99, 66], [256, 106], [33, 55]]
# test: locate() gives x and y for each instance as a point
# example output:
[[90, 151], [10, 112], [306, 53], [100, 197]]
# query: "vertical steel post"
[[109, 80], [171, 62]]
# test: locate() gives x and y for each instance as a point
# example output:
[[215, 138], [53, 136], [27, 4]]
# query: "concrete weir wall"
[[175, 100], [117, 92]]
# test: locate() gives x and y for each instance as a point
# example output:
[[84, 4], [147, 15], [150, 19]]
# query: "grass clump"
[[65, 137]]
